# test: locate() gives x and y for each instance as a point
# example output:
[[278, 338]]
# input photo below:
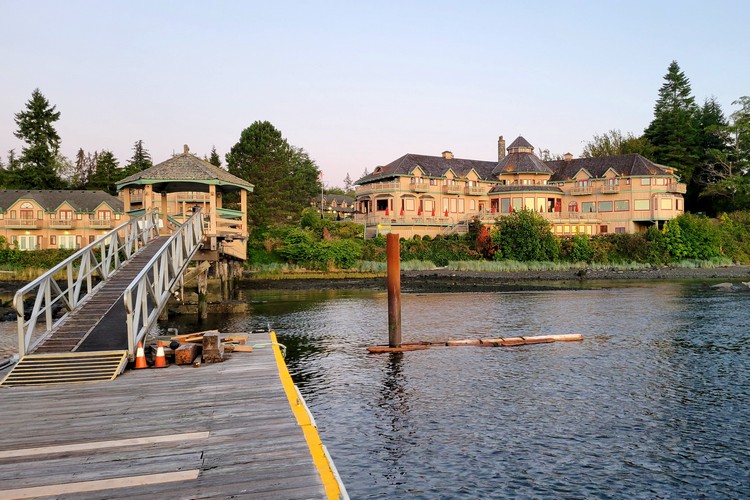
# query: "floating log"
[[456, 343], [404, 348], [542, 339]]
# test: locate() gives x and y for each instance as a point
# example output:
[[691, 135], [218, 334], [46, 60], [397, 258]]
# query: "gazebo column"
[[163, 210], [126, 200], [148, 197], [243, 208], [212, 209]]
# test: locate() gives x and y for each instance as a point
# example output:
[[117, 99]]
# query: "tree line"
[[709, 151]]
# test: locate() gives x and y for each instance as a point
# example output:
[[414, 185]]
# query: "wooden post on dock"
[[393, 253]]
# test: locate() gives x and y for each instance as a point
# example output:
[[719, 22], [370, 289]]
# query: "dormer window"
[[377, 170]]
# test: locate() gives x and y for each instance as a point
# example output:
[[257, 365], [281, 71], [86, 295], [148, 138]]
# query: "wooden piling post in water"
[[393, 253]]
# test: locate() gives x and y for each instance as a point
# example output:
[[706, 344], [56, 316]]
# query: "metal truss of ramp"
[[64, 368], [137, 270]]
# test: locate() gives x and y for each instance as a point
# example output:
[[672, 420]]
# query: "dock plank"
[[254, 447]]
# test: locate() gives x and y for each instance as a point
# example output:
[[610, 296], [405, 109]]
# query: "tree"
[[140, 161], [38, 157], [214, 158], [525, 235], [106, 173], [348, 183], [673, 131], [726, 173], [285, 177], [614, 143]]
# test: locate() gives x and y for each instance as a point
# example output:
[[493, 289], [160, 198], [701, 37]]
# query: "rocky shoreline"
[[444, 280]]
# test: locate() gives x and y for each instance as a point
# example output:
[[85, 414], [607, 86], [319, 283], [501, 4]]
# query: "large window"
[[588, 206], [605, 206], [26, 242], [505, 205], [409, 204], [641, 205], [382, 205], [646, 181], [67, 241], [666, 204], [622, 205]]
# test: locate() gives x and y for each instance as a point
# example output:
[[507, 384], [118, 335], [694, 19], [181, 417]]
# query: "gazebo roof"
[[185, 172]]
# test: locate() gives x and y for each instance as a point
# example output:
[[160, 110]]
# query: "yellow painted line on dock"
[[98, 445], [98, 485], [327, 476]]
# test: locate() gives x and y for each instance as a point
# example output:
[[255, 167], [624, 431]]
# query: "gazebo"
[[183, 183]]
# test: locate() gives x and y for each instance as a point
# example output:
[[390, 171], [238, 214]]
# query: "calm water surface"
[[654, 403]]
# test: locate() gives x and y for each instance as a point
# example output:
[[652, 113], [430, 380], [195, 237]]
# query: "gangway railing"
[[100, 259], [150, 291]]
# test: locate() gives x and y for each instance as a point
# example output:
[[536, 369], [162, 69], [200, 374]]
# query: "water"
[[654, 403]]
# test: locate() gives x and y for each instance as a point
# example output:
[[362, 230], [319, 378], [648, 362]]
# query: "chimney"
[[447, 155], [567, 156], [500, 148], [186, 149]]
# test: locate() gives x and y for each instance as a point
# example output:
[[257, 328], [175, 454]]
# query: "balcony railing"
[[610, 189], [677, 187], [378, 186], [474, 190], [452, 189], [61, 223], [101, 223], [419, 187], [22, 223], [581, 190]]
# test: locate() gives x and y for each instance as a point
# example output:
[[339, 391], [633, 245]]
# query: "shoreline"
[[445, 280]]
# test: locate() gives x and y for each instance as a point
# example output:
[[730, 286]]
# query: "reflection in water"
[[653, 404]]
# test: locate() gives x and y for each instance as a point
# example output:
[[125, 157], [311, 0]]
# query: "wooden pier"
[[221, 430]]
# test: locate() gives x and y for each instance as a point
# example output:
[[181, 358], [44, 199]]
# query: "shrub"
[[525, 235]]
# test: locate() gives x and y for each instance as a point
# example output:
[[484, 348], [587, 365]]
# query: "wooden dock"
[[221, 430]]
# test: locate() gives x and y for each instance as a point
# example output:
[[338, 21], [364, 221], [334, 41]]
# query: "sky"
[[357, 84]]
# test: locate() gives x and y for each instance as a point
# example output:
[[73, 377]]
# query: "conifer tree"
[[106, 173], [214, 158], [674, 129], [38, 156], [141, 159]]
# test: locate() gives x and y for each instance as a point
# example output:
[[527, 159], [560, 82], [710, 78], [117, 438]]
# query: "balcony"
[[677, 187], [22, 223], [581, 190], [452, 189], [610, 189], [378, 187], [61, 223], [474, 190], [101, 223], [419, 187]]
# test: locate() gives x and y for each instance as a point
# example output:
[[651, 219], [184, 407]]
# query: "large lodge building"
[[433, 195]]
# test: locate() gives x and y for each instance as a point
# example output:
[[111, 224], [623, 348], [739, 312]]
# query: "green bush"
[[577, 249], [525, 235]]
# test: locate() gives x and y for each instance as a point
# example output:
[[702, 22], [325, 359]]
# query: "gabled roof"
[[625, 165], [50, 200], [187, 168], [432, 166], [338, 198]]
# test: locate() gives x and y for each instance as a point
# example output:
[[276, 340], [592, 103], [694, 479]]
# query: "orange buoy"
[[161, 360], [140, 358]]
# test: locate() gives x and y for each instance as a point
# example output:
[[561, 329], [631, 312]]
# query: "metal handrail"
[[100, 258], [151, 289]]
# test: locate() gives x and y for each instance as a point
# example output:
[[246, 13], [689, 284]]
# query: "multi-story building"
[[41, 219], [432, 195], [335, 205]]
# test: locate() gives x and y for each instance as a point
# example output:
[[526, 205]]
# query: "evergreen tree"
[[285, 177], [38, 157], [348, 183], [141, 159], [712, 143], [214, 158], [674, 129], [106, 173], [82, 170]]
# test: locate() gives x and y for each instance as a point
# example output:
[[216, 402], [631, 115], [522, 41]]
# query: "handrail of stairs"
[[98, 259], [149, 292]]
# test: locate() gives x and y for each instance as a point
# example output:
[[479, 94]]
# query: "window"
[[505, 205], [573, 206], [409, 204], [429, 205], [666, 204], [91, 239], [646, 181], [622, 205], [52, 240], [641, 205], [603, 229], [678, 204], [68, 241], [382, 205], [445, 205], [588, 206], [472, 205], [619, 230], [454, 205], [517, 204], [528, 203], [39, 214], [433, 182], [461, 207], [605, 206], [26, 242]]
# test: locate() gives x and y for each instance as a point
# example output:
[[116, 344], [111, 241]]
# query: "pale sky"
[[358, 84]]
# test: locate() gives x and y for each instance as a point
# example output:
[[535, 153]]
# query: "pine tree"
[[214, 158], [140, 161], [674, 129], [81, 171], [106, 173], [348, 183], [38, 157]]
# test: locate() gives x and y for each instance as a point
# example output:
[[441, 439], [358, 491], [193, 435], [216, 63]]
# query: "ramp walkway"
[[135, 270]]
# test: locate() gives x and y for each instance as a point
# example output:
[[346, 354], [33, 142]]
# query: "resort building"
[[335, 206], [42, 219], [433, 195]]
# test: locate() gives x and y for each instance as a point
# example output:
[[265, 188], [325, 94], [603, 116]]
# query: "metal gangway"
[[110, 294]]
